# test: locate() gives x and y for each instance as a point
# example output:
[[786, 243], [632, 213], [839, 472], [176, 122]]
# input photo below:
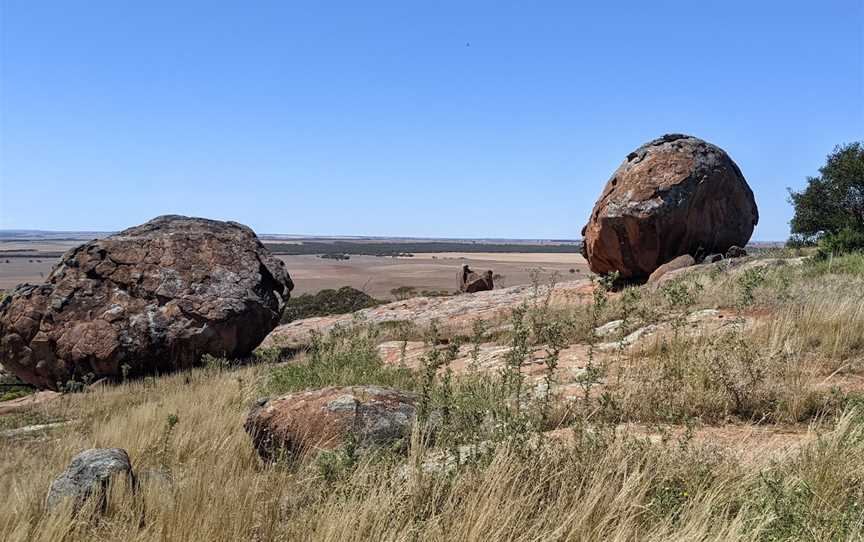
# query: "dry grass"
[[596, 483], [593, 486]]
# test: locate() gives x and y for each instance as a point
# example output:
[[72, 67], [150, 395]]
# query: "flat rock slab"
[[28, 402], [454, 311]]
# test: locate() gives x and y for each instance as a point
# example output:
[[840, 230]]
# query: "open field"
[[377, 276], [31, 261]]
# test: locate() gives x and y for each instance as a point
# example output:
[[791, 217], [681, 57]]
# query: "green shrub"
[[845, 241], [344, 357], [344, 300]]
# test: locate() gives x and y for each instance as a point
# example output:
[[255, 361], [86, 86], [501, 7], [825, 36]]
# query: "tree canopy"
[[833, 201]]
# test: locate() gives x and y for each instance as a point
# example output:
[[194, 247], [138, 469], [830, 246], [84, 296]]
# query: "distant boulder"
[[672, 196], [151, 299], [325, 419], [470, 282]]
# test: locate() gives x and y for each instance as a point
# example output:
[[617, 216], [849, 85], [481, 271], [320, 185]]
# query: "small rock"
[[609, 328], [676, 263], [735, 252], [326, 419], [90, 471]]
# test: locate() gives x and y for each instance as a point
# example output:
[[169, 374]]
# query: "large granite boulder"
[[329, 418], [151, 299], [673, 196], [89, 474]]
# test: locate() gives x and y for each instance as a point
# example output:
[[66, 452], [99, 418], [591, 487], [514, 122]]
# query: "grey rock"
[[736, 252], [90, 472]]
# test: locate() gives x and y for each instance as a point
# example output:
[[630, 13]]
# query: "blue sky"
[[455, 119]]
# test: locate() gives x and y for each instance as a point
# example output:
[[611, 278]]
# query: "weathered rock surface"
[[677, 263], [456, 311], [90, 471], [672, 196], [325, 419], [27, 402], [154, 298], [732, 266]]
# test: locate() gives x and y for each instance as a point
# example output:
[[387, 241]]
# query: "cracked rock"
[[151, 299]]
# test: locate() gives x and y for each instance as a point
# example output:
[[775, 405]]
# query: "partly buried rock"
[[677, 263], [326, 419], [89, 473], [736, 252], [470, 282], [675, 195], [153, 298]]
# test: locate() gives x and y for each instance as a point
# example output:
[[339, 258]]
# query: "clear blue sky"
[[379, 118]]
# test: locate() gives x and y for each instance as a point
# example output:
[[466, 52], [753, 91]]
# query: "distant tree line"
[[408, 248]]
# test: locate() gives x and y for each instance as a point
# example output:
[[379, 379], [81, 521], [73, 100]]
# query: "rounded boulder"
[[151, 299], [673, 196]]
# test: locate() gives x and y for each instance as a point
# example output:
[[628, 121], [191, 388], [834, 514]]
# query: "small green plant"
[[748, 282], [346, 356], [554, 339], [336, 465], [215, 364], [478, 330], [165, 442], [403, 292], [680, 295], [593, 372], [512, 377]]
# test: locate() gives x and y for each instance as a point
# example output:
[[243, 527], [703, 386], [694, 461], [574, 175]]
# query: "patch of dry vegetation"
[[504, 459]]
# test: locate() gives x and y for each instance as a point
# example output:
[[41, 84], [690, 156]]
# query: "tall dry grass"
[[201, 479]]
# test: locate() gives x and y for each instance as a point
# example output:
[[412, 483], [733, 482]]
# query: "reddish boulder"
[[325, 419], [675, 195], [153, 298]]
